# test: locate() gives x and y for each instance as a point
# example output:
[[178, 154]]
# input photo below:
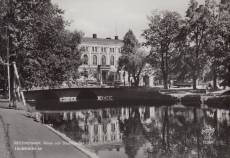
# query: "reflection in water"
[[147, 132]]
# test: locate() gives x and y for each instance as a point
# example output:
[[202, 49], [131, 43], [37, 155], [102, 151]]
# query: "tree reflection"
[[133, 133], [159, 131]]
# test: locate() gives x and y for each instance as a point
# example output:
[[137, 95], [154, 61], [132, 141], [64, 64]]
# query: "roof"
[[101, 41]]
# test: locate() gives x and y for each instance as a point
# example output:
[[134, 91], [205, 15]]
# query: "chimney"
[[94, 35], [108, 38], [116, 37]]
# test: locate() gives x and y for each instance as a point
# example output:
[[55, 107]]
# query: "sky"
[[108, 18]]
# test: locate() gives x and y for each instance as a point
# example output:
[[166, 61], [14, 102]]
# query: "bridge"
[[78, 93], [94, 93]]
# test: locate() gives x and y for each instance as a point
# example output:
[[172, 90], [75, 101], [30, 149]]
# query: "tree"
[[44, 51], [132, 59], [134, 63], [195, 32], [215, 41], [161, 35]]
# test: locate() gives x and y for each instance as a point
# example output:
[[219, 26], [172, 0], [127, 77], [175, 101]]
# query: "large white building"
[[100, 58], [100, 61]]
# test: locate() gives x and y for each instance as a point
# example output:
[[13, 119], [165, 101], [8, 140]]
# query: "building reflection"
[[166, 131]]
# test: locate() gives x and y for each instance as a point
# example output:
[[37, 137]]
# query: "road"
[[33, 135]]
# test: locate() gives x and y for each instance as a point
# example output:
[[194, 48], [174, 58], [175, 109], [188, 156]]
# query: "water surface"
[[147, 131]]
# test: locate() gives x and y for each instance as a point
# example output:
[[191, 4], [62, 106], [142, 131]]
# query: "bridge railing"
[[61, 84], [71, 84]]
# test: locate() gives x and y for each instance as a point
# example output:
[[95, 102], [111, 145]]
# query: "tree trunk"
[[129, 77], [165, 82], [214, 77], [214, 82], [5, 81], [194, 80], [136, 81]]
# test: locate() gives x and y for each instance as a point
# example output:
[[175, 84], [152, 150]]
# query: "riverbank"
[[28, 138], [217, 99]]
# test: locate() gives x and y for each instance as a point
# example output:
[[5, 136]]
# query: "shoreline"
[[22, 128]]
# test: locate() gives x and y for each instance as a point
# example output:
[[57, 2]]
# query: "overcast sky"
[[106, 18]]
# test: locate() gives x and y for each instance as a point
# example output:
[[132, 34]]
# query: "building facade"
[[100, 58], [100, 62]]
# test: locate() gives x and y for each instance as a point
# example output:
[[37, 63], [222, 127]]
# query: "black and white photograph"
[[114, 78]]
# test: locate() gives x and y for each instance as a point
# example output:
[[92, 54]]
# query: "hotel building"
[[100, 58]]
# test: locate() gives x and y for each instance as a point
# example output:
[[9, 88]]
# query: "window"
[[104, 128], [104, 49], [85, 59], [86, 48], [112, 60], [103, 60], [101, 49], [111, 49], [95, 129], [94, 60], [93, 49], [113, 126]]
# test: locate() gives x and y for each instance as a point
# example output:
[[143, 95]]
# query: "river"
[[146, 131]]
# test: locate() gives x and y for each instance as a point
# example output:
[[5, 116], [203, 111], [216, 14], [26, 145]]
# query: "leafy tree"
[[44, 51], [132, 58], [192, 37], [215, 40], [161, 35]]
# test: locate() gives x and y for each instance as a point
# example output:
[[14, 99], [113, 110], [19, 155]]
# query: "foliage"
[[161, 35], [132, 58], [196, 47], [44, 50]]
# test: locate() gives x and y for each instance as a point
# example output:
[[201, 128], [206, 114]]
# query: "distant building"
[[100, 58], [100, 61]]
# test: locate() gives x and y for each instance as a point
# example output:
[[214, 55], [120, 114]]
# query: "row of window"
[[104, 128], [103, 60], [103, 49]]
